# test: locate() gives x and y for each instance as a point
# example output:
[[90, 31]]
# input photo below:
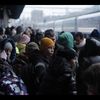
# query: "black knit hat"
[[31, 47], [67, 53]]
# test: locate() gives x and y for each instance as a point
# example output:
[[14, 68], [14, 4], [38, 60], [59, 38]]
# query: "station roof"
[[13, 11]]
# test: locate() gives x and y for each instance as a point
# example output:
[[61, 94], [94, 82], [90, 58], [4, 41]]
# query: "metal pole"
[[6, 18]]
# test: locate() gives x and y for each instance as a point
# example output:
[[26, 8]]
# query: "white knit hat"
[[8, 45]]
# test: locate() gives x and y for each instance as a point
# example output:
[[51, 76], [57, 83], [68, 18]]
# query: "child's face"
[[49, 50]]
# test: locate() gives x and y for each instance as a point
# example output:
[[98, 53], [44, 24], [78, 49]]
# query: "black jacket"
[[58, 79], [89, 55]]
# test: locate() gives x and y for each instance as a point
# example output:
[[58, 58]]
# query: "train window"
[[69, 24], [87, 23], [89, 15]]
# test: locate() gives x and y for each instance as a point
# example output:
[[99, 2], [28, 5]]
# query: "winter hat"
[[8, 45], [67, 53], [66, 39], [32, 46], [23, 38], [46, 42]]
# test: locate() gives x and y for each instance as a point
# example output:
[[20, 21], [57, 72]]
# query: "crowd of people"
[[33, 62]]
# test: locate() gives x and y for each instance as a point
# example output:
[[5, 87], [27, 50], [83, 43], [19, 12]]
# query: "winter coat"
[[22, 67], [39, 68], [10, 84], [58, 79], [89, 55], [13, 53]]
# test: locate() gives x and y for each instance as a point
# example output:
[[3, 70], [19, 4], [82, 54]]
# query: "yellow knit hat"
[[46, 42]]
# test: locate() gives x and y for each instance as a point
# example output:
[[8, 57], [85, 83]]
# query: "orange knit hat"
[[46, 42]]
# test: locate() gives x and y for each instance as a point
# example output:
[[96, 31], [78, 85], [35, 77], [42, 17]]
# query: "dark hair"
[[95, 33], [80, 34], [91, 76], [8, 31], [49, 33], [12, 28], [19, 29]]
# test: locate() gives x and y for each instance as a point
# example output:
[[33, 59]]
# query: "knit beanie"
[[46, 42], [67, 53], [24, 39], [8, 45], [32, 46], [66, 39]]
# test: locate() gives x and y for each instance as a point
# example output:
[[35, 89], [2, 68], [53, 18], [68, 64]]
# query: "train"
[[83, 23]]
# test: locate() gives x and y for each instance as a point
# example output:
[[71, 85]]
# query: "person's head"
[[50, 34], [91, 78], [19, 29], [95, 34], [39, 35], [70, 55], [66, 39], [79, 37], [8, 48], [23, 38], [31, 48], [13, 31], [28, 32], [47, 46], [8, 31]]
